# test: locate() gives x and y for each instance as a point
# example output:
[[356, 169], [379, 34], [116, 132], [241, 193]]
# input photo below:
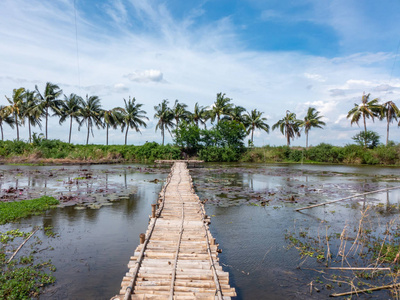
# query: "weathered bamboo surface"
[[178, 259]]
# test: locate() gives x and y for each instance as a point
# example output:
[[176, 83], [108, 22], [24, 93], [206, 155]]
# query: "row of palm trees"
[[32, 106], [221, 109], [224, 109], [373, 109]]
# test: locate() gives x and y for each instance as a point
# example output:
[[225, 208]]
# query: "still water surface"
[[251, 209]]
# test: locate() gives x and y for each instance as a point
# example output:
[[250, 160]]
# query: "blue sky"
[[270, 55]]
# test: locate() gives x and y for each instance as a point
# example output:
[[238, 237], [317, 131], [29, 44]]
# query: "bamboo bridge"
[[177, 257]]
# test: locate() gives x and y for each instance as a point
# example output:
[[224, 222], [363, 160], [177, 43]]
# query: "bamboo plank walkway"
[[177, 258]]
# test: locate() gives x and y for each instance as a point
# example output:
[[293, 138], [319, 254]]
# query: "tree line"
[[35, 107]]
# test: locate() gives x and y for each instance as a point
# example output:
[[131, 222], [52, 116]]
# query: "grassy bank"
[[325, 153], [55, 151]]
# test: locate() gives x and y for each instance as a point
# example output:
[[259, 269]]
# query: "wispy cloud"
[[133, 46]]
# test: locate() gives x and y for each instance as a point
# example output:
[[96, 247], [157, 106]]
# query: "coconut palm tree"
[[198, 115], [133, 116], [311, 120], [5, 117], [49, 100], [16, 106], [366, 109], [390, 112], [289, 126], [90, 112], [165, 118], [180, 112], [112, 118], [32, 111], [70, 107], [255, 120], [221, 106], [236, 114]]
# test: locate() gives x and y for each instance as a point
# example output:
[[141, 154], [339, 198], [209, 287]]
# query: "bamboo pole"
[[390, 286], [20, 246], [354, 196], [359, 269]]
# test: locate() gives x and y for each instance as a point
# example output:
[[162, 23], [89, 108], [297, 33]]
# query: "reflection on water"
[[251, 209]]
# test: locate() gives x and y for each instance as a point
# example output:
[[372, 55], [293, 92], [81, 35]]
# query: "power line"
[[77, 47]]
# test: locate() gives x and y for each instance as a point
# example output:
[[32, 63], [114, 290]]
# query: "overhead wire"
[[77, 47]]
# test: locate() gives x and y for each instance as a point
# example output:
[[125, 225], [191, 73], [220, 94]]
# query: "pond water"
[[106, 207]]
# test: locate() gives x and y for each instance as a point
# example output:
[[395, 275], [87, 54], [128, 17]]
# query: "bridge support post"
[[142, 238]]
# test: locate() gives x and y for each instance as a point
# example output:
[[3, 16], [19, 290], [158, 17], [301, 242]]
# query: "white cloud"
[[120, 88], [316, 77], [146, 76]]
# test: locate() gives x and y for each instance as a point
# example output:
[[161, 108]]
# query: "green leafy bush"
[[11, 211]]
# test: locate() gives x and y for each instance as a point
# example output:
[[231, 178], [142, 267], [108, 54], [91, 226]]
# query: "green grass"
[[12, 211]]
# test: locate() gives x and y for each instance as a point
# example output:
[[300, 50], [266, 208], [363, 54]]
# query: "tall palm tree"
[[112, 118], [236, 114], [221, 106], [165, 118], [180, 112], [70, 107], [311, 120], [366, 109], [16, 106], [255, 120], [198, 115], [49, 100], [90, 112], [390, 112], [289, 126], [32, 111], [133, 116], [5, 117]]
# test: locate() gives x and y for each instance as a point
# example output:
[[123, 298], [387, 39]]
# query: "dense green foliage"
[[41, 150], [11, 211], [326, 153], [223, 142], [367, 138]]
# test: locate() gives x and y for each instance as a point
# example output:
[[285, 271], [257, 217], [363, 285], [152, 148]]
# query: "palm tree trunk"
[[387, 133], [47, 116], [30, 135], [2, 135], [107, 135], [70, 130], [88, 130], [307, 140], [252, 132], [126, 134], [16, 123], [288, 139], [162, 133], [365, 132]]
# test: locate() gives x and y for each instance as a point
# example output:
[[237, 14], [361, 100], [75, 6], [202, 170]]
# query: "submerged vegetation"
[[364, 258], [22, 278]]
